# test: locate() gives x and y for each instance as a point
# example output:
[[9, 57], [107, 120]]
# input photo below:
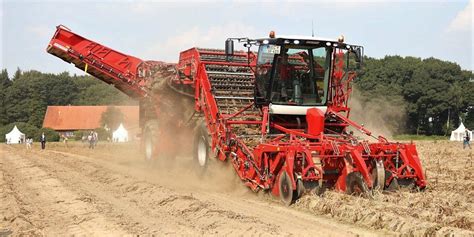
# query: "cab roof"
[[303, 38]]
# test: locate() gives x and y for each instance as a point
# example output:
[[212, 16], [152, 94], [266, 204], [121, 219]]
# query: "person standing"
[[90, 138], [96, 138], [467, 139], [65, 140], [43, 141], [29, 141]]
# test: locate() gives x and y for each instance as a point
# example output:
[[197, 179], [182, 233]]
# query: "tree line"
[[25, 95], [433, 94]]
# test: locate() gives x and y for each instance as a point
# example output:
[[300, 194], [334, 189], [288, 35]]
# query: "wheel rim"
[[378, 175], [285, 189], [148, 147], [202, 152]]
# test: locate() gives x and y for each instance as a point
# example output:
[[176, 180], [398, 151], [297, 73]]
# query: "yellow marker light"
[[85, 68], [340, 39], [272, 34]]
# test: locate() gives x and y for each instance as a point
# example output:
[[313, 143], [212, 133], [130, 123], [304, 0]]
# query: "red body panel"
[[315, 118], [126, 72]]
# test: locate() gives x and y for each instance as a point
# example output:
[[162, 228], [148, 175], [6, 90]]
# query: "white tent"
[[15, 136], [458, 134], [120, 135]]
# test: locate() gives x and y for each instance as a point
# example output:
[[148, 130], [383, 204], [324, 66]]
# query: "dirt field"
[[112, 191]]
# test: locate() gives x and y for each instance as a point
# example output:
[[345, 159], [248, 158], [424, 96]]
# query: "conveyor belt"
[[232, 84]]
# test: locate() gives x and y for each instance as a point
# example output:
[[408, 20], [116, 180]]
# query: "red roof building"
[[73, 118]]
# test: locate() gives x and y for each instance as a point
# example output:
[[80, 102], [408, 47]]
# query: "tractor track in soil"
[[57, 192]]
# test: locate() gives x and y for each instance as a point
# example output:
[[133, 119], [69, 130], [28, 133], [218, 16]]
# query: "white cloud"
[[140, 7], [152, 7], [463, 20], [1, 36], [212, 37], [40, 30]]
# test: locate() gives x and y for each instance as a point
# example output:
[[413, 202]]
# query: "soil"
[[445, 208], [112, 191]]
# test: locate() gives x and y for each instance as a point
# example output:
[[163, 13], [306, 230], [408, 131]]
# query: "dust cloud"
[[178, 169], [377, 114]]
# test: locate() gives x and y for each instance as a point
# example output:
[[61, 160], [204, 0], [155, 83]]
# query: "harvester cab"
[[297, 73], [294, 71]]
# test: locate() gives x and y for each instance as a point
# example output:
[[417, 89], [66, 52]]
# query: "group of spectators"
[[29, 142], [92, 138]]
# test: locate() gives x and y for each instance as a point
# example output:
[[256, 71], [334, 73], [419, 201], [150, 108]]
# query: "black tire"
[[285, 188], [355, 185], [150, 139], [300, 189], [201, 148]]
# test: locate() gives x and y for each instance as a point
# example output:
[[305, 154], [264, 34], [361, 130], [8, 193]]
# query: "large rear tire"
[[201, 148], [285, 188], [151, 139]]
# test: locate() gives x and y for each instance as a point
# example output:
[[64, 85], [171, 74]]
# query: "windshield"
[[293, 75]]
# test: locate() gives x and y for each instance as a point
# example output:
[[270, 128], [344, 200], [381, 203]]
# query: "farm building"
[[68, 119]]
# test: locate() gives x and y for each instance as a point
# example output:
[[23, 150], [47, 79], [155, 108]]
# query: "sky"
[[157, 30]]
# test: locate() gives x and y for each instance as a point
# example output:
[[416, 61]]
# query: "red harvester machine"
[[279, 116]]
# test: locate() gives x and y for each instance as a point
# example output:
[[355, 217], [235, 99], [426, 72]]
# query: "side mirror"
[[359, 55], [229, 47]]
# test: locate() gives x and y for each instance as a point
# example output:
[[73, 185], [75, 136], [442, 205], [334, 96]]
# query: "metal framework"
[[266, 154]]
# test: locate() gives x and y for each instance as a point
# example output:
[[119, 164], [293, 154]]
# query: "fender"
[[361, 166]]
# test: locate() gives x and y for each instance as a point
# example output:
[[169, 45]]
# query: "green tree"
[[26, 97], [103, 134], [469, 119], [432, 90], [95, 92], [5, 83], [50, 134], [112, 118], [17, 74]]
